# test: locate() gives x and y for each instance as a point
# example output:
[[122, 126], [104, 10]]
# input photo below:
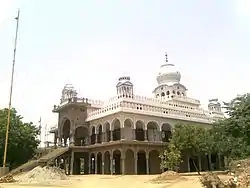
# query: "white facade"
[[170, 100]]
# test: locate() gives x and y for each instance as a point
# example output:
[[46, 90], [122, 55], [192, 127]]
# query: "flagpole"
[[11, 88], [40, 129]]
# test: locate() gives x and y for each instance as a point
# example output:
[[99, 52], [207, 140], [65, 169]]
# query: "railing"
[[159, 110], [97, 103]]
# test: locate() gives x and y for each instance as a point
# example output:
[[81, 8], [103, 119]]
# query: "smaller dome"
[[168, 74]]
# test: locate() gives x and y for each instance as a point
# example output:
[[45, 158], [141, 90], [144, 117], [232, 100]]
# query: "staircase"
[[43, 161]]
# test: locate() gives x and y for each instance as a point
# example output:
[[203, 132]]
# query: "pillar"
[[104, 137], [96, 138], [122, 164], [145, 135], [135, 157], [199, 160], [60, 141], [111, 135], [95, 163], [90, 161], [111, 163], [122, 133], [133, 134], [72, 163], [103, 158], [72, 140], [147, 162]]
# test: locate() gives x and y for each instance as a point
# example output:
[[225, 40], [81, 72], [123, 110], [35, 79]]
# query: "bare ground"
[[96, 181]]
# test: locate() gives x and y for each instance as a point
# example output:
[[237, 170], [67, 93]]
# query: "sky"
[[90, 43]]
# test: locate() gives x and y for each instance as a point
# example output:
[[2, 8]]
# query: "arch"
[[66, 130], [107, 131], [99, 133], [128, 129], [116, 125], [93, 135], [81, 136], [129, 162], [116, 162], [139, 131], [99, 163], [92, 163], [166, 132], [153, 131], [154, 162], [141, 162], [107, 163]]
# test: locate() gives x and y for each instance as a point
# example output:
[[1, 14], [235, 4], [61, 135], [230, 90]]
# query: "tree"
[[171, 158], [22, 141]]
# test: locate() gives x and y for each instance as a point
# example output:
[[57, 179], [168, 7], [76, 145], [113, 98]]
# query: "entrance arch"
[[116, 162], [128, 129], [139, 131], [154, 162], [129, 162], [153, 131], [141, 162], [116, 130], [66, 131], [166, 133], [81, 136]]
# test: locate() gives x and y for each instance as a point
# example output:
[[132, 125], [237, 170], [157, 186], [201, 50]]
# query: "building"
[[126, 134]]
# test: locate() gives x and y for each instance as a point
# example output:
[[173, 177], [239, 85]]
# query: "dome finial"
[[166, 55]]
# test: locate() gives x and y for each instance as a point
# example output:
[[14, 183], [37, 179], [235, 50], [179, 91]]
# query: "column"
[[135, 157], [111, 163], [210, 162], [219, 161], [104, 137], [71, 139], [111, 135], [103, 162], [72, 163], [199, 160], [60, 141], [95, 163], [90, 163], [96, 138], [122, 163], [122, 133], [133, 134], [147, 162], [145, 135]]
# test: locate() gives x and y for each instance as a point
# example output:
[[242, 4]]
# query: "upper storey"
[[170, 100]]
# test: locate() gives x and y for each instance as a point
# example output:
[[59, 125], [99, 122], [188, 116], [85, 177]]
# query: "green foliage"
[[171, 158], [229, 137], [22, 141]]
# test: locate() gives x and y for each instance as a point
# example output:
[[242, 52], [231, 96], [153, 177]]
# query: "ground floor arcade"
[[127, 158]]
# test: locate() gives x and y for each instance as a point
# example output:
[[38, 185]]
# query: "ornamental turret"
[[124, 87]]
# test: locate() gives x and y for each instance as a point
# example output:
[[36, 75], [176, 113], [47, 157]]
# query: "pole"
[[11, 88], [40, 129]]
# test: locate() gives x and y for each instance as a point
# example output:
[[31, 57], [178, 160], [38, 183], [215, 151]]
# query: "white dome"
[[168, 74]]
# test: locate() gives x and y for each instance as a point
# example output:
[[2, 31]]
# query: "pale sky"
[[90, 43]]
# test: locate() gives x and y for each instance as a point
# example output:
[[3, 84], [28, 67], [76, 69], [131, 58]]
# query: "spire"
[[166, 55]]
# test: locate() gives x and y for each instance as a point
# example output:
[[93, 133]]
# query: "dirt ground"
[[96, 181]]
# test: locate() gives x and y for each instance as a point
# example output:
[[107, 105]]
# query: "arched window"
[[178, 93], [162, 94], [168, 92]]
